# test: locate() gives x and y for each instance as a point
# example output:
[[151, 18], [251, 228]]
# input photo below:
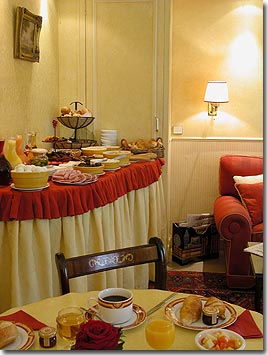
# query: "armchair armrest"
[[232, 220], [234, 225]]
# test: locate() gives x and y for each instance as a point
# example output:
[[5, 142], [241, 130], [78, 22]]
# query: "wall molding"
[[234, 139]]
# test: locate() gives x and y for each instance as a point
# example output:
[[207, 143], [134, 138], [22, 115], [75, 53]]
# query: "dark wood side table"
[[257, 267]]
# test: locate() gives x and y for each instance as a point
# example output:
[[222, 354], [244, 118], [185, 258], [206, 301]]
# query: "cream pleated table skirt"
[[28, 270]]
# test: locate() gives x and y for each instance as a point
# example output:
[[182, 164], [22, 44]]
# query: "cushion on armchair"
[[252, 198], [232, 165]]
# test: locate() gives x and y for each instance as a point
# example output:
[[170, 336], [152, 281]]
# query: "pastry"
[[8, 333], [191, 310], [142, 144], [217, 303]]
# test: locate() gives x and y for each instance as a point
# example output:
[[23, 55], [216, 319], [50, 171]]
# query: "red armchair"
[[233, 220]]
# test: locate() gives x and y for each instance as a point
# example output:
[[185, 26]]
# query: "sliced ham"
[[70, 176]]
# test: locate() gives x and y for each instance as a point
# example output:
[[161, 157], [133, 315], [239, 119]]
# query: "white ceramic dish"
[[229, 333], [172, 310], [76, 183], [29, 189], [24, 339], [137, 318], [110, 170]]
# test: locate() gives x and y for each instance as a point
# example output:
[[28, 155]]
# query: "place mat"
[[246, 326], [25, 318]]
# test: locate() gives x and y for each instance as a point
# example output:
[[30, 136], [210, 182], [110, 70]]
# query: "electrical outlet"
[[177, 130]]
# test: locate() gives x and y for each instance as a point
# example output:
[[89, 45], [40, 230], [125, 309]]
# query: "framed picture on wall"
[[27, 33]]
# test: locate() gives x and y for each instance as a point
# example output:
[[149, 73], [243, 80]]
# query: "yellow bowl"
[[112, 147], [124, 160], [93, 150], [29, 179], [111, 164], [90, 169]]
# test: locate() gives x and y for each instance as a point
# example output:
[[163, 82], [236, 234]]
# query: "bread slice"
[[8, 333]]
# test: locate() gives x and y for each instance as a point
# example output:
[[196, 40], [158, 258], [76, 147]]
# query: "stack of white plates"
[[108, 137]]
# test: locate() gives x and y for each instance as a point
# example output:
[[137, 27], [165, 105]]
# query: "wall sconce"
[[216, 93]]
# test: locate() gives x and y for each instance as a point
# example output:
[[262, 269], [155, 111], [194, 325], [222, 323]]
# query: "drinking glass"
[[160, 332], [68, 323]]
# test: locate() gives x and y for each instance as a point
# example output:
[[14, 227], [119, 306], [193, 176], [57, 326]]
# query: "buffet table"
[[46, 311], [123, 208]]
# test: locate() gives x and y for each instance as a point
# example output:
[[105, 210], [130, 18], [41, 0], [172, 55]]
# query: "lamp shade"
[[217, 91]]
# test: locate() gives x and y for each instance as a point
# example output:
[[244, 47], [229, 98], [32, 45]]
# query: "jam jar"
[[210, 315], [47, 337], [39, 157]]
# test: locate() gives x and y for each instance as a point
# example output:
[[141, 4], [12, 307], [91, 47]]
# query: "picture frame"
[[27, 33]]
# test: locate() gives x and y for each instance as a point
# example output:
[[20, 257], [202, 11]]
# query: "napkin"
[[25, 318], [246, 326]]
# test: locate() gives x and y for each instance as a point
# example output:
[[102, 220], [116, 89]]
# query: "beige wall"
[[116, 61], [211, 40], [217, 40], [28, 91]]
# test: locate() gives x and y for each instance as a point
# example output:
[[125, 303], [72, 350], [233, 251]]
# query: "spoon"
[[93, 314]]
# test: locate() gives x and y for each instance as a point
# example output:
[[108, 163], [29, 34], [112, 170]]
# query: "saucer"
[[115, 169], [137, 318], [29, 189]]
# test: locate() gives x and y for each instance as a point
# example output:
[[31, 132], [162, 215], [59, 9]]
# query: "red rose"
[[97, 335]]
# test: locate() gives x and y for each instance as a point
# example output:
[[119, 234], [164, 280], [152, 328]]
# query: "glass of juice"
[[68, 323], [159, 332]]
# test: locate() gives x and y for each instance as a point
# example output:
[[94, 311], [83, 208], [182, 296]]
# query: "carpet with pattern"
[[210, 284]]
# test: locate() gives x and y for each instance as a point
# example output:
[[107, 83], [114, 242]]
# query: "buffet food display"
[[86, 162]]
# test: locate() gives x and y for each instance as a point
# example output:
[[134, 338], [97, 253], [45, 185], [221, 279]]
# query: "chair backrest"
[[241, 165], [154, 252]]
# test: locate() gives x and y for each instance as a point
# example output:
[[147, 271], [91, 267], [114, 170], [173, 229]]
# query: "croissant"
[[191, 310], [217, 303]]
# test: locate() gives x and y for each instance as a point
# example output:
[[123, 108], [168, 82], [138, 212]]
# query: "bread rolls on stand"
[[8, 333]]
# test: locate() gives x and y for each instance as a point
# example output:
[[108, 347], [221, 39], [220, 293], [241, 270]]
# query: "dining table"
[[46, 310], [122, 208]]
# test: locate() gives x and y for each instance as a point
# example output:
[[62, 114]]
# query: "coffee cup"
[[113, 305]]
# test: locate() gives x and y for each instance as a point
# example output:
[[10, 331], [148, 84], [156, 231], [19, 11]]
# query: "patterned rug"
[[210, 284]]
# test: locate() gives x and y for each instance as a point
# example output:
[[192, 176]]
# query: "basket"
[[148, 147], [158, 151]]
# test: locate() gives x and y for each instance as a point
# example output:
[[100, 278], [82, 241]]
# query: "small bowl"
[[114, 154], [90, 169], [112, 147], [213, 331], [93, 150], [31, 179], [111, 164]]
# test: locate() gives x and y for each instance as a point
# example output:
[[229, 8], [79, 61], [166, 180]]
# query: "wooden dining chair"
[[153, 252]]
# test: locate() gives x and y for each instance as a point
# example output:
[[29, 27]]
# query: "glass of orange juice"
[[160, 332], [69, 320]]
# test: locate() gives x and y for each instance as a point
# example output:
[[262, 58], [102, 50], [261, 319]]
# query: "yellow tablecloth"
[[27, 255], [47, 309]]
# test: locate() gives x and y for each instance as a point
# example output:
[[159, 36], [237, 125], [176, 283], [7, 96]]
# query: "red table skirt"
[[67, 200]]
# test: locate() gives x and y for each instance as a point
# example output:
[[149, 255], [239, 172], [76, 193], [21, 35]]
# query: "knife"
[[160, 304]]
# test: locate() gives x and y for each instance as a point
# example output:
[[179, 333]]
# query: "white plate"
[[137, 318], [24, 339], [75, 183], [172, 310], [29, 189], [112, 169]]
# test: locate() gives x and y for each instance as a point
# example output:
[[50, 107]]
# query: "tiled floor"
[[209, 265]]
